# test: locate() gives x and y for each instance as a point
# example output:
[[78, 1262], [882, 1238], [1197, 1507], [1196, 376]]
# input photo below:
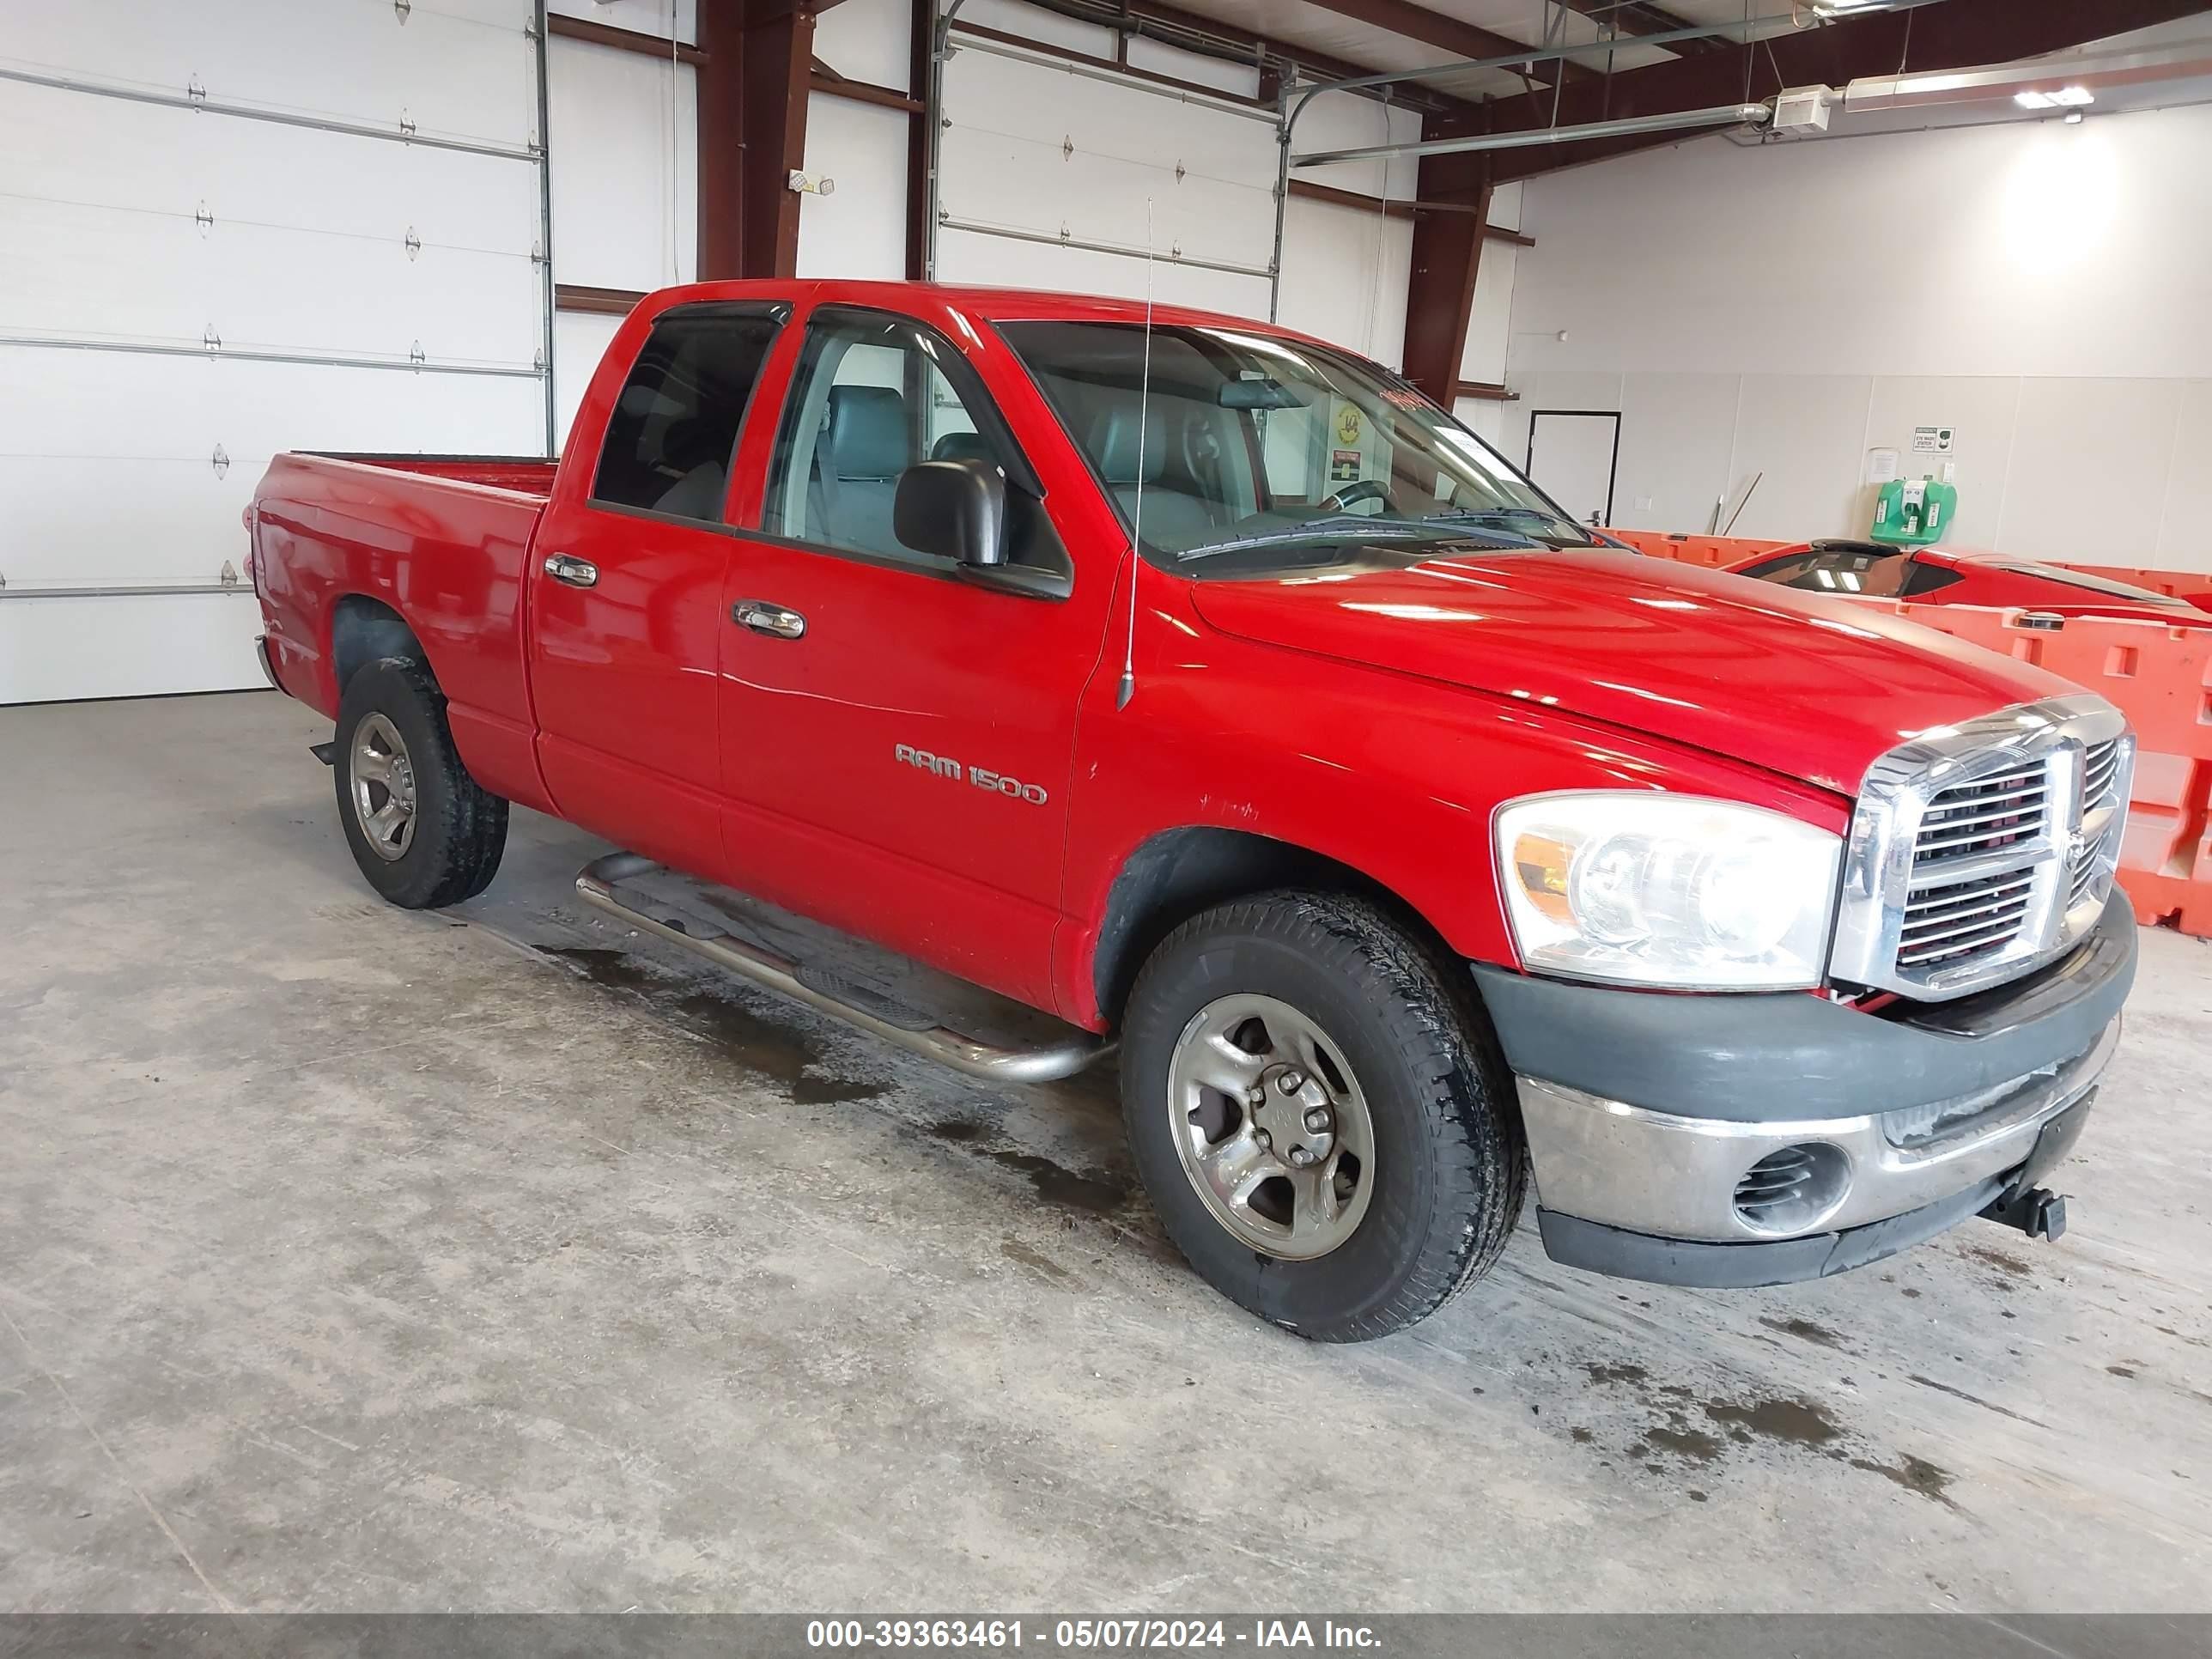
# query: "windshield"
[[1255, 453]]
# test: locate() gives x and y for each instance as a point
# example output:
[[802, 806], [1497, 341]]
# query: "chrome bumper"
[[1623, 1166]]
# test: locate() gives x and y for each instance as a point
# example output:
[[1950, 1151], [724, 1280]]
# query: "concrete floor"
[[352, 1259]]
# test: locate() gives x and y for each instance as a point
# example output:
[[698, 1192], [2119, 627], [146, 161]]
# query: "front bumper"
[[1645, 1112]]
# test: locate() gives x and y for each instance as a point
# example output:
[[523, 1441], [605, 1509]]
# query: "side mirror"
[[954, 509]]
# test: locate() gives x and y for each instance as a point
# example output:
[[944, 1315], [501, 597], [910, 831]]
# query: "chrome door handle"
[[567, 568], [772, 620]]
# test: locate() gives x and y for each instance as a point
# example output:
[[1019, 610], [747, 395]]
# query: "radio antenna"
[[1127, 688]]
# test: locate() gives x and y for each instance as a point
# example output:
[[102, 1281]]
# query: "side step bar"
[[598, 886]]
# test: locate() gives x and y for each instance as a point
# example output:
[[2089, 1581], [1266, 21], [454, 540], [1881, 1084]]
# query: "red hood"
[[1811, 688]]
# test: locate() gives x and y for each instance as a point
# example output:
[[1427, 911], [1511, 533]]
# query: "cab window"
[[674, 427], [873, 396]]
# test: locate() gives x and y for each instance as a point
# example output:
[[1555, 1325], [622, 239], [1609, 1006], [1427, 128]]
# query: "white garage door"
[[1049, 169], [228, 230]]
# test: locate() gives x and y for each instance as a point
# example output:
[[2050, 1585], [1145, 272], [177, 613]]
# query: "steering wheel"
[[1364, 490]]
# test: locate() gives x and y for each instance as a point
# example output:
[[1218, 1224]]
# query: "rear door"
[[627, 579], [896, 739]]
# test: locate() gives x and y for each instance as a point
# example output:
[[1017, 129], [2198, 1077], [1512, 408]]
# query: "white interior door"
[[1572, 454], [234, 230]]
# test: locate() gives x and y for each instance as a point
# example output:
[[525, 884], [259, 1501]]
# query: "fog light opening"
[[1793, 1189]]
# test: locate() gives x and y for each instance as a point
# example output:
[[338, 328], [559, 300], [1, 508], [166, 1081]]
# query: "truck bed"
[[521, 475], [345, 545]]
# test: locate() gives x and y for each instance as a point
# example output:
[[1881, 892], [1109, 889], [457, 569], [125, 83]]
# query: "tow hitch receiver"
[[2036, 1210]]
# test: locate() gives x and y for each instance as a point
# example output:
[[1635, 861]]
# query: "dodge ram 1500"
[[1207, 688]]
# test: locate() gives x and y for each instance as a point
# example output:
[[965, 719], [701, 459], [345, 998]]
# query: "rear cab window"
[[674, 430]]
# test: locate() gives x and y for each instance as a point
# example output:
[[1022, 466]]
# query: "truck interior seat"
[[700, 449], [865, 446], [1174, 518]]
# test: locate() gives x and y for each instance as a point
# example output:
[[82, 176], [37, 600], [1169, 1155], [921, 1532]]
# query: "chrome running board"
[[601, 885]]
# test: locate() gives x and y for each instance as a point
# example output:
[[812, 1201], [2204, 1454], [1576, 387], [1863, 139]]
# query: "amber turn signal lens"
[[1542, 862]]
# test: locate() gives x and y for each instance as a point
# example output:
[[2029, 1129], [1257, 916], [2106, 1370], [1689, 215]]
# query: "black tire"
[[459, 829], [1450, 1155]]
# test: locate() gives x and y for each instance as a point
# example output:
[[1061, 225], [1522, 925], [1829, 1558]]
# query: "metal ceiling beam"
[[1433, 28], [1952, 34], [1170, 25], [1633, 17]]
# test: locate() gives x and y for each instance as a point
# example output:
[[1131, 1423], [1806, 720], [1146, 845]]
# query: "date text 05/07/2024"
[[1082, 1635]]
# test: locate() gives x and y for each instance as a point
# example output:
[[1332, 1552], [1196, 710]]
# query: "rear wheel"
[[1320, 1114], [423, 832]]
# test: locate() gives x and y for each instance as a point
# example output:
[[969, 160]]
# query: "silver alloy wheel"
[[1271, 1127], [383, 779]]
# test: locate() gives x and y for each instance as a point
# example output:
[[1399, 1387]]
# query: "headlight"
[[1671, 890]]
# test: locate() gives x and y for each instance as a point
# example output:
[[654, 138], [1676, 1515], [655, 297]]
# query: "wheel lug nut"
[[1300, 1156], [1318, 1121], [1291, 1082], [1266, 1141]]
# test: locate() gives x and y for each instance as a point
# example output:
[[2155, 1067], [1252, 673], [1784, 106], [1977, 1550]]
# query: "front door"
[[898, 739], [626, 608], [1572, 456]]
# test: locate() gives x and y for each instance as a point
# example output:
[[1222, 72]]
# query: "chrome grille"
[[1963, 918], [2100, 767], [1981, 851]]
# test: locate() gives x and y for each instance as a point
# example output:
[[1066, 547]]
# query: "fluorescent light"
[[2033, 99], [2065, 98]]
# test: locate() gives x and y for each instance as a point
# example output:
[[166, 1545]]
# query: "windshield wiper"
[[1509, 514], [1342, 524]]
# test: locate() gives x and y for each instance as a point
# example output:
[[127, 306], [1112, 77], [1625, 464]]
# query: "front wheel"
[[1320, 1114]]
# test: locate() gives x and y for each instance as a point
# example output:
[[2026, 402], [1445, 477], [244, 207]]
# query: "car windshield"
[[1255, 453]]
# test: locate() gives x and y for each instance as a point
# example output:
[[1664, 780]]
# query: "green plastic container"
[[1914, 512]]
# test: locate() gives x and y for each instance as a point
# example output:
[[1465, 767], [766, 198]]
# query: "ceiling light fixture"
[[2064, 98]]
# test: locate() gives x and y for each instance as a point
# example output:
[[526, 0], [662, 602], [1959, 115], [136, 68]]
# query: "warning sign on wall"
[[1344, 465], [1931, 440]]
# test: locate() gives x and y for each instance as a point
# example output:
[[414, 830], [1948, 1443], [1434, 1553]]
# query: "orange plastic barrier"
[[2161, 679], [1718, 551], [1710, 551]]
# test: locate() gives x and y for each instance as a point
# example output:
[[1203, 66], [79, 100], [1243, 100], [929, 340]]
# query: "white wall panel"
[[1490, 317], [858, 229], [2184, 534], [2041, 289], [639, 16], [1034, 148], [1035, 23], [624, 147], [580, 340], [2089, 459], [1345, 275], [58, 650], [464, 71], [1801, 436], [126, 223], [1677, 449], [1242, 79], [968, 257], [108, 475], [1344, 120], [867, 40]]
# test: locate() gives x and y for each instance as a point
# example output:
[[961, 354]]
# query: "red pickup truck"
[[1206, 690]]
